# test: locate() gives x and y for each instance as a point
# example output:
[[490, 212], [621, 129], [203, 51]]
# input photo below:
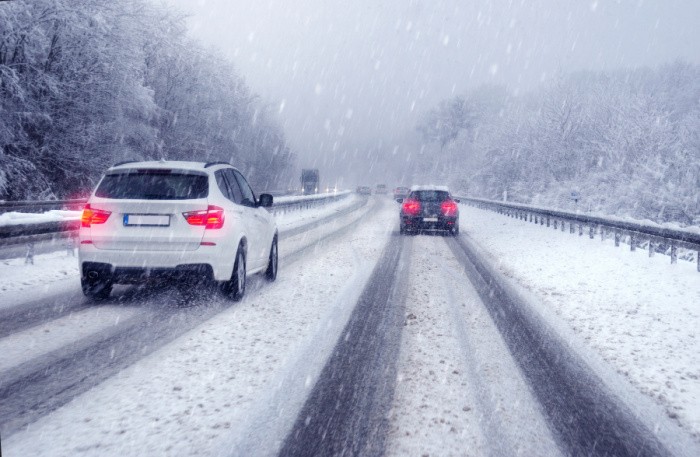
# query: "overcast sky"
[[351, 75]]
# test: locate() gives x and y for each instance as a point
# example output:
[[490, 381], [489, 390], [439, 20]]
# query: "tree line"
[[87, 83], [626, 143]]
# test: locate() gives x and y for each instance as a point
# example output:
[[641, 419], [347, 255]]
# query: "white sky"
[[355, 75]]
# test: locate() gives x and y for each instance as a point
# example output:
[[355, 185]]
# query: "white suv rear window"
[[153, 185]]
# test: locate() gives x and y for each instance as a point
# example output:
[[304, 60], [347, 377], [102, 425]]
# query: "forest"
[[88, 83], [626, 143]]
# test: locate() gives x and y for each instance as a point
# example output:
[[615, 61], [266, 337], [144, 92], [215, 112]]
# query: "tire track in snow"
[[457, 394], [586, 418], [345, 414]]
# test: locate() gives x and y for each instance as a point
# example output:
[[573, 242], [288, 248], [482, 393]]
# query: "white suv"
[[175, 220]]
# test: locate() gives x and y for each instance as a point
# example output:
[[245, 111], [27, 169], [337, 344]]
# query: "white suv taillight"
[[93, 216], [210, 218]]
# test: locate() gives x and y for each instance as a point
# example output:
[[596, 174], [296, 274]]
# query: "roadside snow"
[[640, 314], [55, 215], [20, 282], [233, 385]]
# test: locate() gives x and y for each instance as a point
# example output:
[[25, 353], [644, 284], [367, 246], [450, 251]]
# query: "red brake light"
[[93, 216], [411, 207], [449, 208], [210, 218]]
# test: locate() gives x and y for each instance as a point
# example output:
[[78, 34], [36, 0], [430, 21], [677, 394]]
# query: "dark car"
[[364, 190], [429, 208]]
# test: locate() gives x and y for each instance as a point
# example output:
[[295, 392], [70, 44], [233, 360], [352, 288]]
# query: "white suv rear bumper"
[[221, 264]]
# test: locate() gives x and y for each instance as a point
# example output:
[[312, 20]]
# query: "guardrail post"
[[69, 244], [591, 231], [617, 238], [580, 229], [29, 259], [651, 247], [674, 253], [555, 224], [632, 241], [562, 226], [572, 228], [547, 221], [697, 254], [602, 233]]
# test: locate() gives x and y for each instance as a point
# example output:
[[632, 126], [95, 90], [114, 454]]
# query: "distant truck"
[[309, 181], [381, 189]]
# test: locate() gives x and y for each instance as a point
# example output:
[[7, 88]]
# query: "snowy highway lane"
[[369, 343], [105, 338]]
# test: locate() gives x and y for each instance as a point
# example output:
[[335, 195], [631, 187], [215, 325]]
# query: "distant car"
[[364, 190], [178, 220], [401, 192], [429, 208], [381, 189]]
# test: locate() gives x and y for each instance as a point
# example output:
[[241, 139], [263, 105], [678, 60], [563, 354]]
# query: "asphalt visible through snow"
[[345, 414], [29, 391]]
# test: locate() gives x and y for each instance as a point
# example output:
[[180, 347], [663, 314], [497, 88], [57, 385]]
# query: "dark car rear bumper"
[[418, 223]]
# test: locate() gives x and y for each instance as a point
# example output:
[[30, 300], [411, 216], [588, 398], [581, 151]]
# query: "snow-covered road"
[[227, 375], [397, 317], [459, 392]]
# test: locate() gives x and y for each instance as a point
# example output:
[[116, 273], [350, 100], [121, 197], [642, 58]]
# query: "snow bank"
[[54, 215], [640, 314]]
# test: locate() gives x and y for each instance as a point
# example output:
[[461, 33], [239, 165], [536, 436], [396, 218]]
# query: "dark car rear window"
[[153, 185], [430, 195]]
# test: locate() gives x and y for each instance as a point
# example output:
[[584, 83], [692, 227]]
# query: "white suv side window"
[[248, 195], [223, 185], [233, 186]]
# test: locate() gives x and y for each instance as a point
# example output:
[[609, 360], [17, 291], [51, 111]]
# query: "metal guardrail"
[[34, 206], [43, 231], [299, 202], [658, 239]]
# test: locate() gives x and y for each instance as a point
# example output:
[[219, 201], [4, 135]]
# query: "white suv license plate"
[[147, 220], [430, 219]]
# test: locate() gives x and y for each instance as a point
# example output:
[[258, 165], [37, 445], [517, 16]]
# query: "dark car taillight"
[[411, 207], [210, 218], [93, 216], [448, 208]]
